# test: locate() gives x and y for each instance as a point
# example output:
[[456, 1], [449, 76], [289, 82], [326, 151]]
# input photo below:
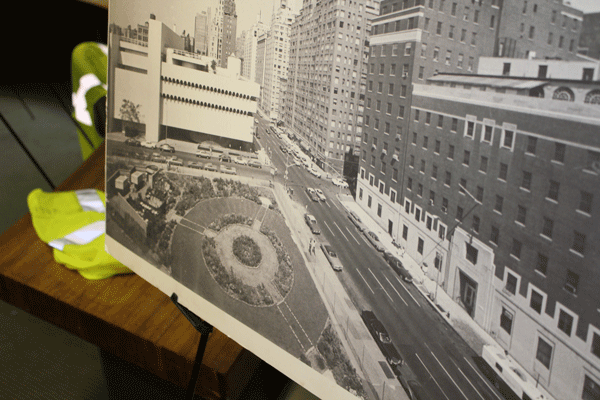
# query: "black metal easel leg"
[[205, 329]]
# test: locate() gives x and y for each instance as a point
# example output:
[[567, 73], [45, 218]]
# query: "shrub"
[[247, 251]]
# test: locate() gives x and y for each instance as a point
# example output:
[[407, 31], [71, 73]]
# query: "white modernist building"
[[181, 95]]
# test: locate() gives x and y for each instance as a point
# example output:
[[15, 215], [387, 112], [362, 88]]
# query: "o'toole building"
[[181, 95]]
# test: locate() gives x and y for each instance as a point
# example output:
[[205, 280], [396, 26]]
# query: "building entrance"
[[468, 293]]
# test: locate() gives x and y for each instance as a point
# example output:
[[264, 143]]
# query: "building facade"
[[229, 32], [276, 60], [323, 105], [249, 57], [181, 95], [201, 31], [589, 42]]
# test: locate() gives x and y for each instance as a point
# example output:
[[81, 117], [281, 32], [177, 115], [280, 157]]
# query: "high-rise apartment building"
[[229, 32], [201, 32], [276, 59], [322, 105], [249, 54]]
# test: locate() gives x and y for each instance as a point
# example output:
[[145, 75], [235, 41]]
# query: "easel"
[[205, 329]]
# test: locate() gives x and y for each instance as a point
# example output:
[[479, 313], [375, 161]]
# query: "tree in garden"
[[130, 113]]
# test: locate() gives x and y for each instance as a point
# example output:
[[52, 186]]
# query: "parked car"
[[413, 389], [196, 165], [255, 163], [166, 147], [151, 169], [203, 154], [156, 157], [148, 145], [340, 182], [320, 194], [132, 142], [210, 167], [226, 169], [225, 157], [240, 160], [376, 328], [374, 240], [356, 221], [175, 161], [397, 266], [391, 355], [312, 194], [311, 221], [332, 257]]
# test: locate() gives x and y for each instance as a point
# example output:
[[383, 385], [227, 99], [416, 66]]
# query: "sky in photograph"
[[181, 13]]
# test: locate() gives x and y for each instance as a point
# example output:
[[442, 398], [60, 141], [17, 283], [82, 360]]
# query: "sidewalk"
[[361, 349], [475, 336]]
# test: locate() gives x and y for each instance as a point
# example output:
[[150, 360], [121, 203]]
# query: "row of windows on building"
[[208, 88], [206, 104]]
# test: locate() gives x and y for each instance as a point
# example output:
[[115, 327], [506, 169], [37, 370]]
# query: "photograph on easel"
[[381, 199]]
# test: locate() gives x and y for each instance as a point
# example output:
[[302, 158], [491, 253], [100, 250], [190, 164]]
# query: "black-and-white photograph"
[[381, 199]]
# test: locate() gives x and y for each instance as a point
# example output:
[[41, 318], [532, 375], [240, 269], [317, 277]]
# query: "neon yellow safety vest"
[[74, 224], [89, 67]]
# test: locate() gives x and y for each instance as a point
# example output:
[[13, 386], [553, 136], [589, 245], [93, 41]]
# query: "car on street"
[[398, 267], [312, 194], [210, 167], [376, 328], [413, 389], [166, 147], [203, 154], [226, 169], [132, 142], [151, 169], [340, 182], [148, 145], [374, 240], [156, 157], [320, 194], [356, 221], [196, 165], [311, 221], [255, 163], [175, 161], [240, 160], [314, 172], [225, 157], [332, 257], [391, 355]]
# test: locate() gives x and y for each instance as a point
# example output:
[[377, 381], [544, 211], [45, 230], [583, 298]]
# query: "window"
[[403, 91], [451, 32], [585, 202], [391, 89], [474, 39], [392, 196], [596, 346], [559, 152], [378, 105], [428, 118], [511, 283], [487, 134], [521, 214], [479, 194], [550, 38], [459, 213], [454, 126], [379, 87], [431, 197], [466, 157], [547, 227], [531, 32], [471, 253], [593, 161], [412, 161], [393, 69], [572, 282], [451, 152], [448, 179], [401, 113], [495, 235], [591, 389], [420, 190], [360, 194], [470, 129], [436, 149], [578, 242], [463, 35], [462, 185], [381, 69], [422, 166], [502, 174], [444, 205], [516, 248], [426, 25], [453, 12], [508, 137], [417, 214], [405, 232], [436, 53], [531, 144], [379, 209], [565, 322], [544, 352], [483, 164], [409, 183], [440, 121], [553, 190], [421, 72], [526, 182], [492, 21], [420, 246], [414, 138], [395, 174], [448, 56], [542, 264], [408, 48], [438, 30], [425, 142], [506, 319], [476, 223]]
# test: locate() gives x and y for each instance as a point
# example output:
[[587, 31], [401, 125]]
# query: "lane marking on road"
[[363, 278], [483, 378], [340, 229], [335, 205], [388, 295], [408, 291], [452, 379], [327, 203], [436, 382], [350, 233], [192, 229], [291, 329], [299, 324], [397, 292], [468, 380], [329, 228]]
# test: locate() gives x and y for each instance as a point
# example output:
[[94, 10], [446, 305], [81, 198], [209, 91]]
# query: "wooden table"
[[123, 315]]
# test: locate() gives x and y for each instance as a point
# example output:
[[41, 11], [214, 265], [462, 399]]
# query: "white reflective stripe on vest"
[[89, 200], [86, 82], [81, 236]]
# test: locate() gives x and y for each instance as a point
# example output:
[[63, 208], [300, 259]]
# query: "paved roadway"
[[441, 360]]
